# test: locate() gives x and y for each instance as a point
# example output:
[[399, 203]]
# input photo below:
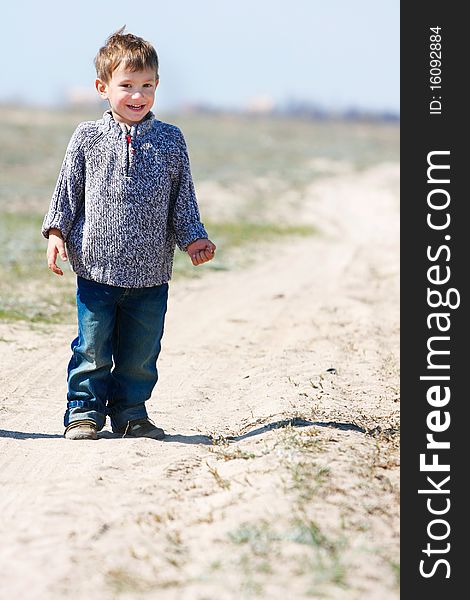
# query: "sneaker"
[[142, 428], [81, 430]]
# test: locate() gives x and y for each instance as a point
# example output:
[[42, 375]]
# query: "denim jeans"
[[113, 367]]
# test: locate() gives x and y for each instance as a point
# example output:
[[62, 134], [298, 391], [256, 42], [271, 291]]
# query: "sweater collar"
[[138, 129]]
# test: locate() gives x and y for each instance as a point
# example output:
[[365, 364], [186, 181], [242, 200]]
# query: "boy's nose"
[[137, 95]]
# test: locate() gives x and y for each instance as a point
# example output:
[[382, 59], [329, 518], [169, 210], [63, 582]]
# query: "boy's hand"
[[201, 251], [54, 247]]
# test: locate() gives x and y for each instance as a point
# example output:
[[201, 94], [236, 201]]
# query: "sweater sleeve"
[[68, 196], [186, 219]]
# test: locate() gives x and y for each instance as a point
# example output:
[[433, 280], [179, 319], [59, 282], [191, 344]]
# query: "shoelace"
[[127, 428]]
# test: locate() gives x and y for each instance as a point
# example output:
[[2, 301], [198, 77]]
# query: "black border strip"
[[434, 254]]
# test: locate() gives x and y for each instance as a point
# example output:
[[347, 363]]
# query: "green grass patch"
[[121, 581], [236, 234], [28, 291], [314, 554], [232, 239], [395, 566]]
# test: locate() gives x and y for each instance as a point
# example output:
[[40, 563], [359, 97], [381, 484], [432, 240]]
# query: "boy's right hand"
[[55, 246]]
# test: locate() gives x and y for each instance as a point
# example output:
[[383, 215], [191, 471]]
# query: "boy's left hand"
[[201, 251]]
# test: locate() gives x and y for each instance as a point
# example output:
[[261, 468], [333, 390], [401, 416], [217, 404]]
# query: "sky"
[[338, 54]]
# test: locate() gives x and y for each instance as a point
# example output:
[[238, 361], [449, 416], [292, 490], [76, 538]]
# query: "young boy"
[[123, 199]]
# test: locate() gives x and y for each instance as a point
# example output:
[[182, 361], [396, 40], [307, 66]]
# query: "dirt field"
[[279, 393]]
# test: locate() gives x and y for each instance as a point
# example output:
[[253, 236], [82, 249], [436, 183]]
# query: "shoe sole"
[[82, 436], [80, 433]]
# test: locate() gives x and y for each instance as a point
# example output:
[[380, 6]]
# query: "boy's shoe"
[[81, 430], [142, 428]]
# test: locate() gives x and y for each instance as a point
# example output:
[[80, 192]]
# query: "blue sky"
[[338, 53]]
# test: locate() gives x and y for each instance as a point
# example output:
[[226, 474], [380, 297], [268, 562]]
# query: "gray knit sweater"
[[122, 201]]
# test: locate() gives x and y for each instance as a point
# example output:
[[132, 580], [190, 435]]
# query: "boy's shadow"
[[295, 422], [23, 435], [182, 439], [207, 440]]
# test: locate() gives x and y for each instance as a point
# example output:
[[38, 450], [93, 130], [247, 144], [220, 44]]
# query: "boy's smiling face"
[[131, 94]]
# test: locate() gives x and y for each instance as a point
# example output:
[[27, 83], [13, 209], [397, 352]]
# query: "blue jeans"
[[113, 367]]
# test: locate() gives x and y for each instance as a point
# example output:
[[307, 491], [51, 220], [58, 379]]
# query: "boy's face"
[[130, 94]]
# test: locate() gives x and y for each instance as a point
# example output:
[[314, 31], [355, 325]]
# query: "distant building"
[[82, 96], [261, 105]]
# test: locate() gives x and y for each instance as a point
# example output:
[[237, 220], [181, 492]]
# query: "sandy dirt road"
[[279, 393]]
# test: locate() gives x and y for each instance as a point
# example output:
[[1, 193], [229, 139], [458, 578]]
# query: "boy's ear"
[[101, 88]]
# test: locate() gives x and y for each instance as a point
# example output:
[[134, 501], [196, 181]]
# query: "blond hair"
[[120, 47]]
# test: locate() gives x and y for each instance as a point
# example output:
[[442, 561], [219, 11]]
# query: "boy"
[[123, 199]]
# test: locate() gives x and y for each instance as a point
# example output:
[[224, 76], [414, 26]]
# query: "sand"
[[279, 393]]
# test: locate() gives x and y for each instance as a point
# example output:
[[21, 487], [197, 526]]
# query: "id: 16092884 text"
[[435, 71]]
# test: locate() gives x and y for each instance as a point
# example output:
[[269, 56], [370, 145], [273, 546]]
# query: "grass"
[[235, 454], [228, 148], [303, 545], [292, 544], [395, 566], [121, 581], [221, 482], [28, 291], [233, 240]]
